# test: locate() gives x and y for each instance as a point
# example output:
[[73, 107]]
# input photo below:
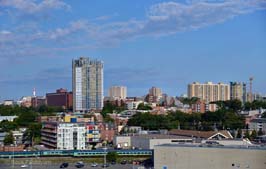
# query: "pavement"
[[71, 166]]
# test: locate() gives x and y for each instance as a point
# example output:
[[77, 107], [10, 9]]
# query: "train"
[[73, 153]]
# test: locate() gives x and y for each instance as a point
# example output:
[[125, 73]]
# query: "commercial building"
[[87, 83], [148, 141], [61, 98], [238, 91], [207, 135], [209, 91], [38, 101], [173, 156], [118, 92], [123, 142], [25, 101], [8, 102]]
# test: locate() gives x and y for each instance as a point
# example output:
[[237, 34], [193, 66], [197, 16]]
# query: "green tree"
[[253, 135], [260, 132], [26, 119], [111, 156], [239, 133], [247, 135], [107, 119], [9, 139], [108, 108], [189, 101], [7, 126], [142, 106], [263, 115], [33, 133]]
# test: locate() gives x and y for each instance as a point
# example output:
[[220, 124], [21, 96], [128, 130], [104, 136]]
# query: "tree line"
[[27, 118], [195, 121]]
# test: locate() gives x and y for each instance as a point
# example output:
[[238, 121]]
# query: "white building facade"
[[87, 83], [71, 136]]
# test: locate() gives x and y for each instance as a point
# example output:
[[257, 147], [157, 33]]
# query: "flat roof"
[[214, 146], [160, 136]]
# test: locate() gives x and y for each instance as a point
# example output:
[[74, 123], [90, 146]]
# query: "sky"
[[143, 43]]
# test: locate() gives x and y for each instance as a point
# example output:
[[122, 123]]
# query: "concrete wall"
[[177, 157], [122, 141], [140, 142], [155, 142], [147, 143]]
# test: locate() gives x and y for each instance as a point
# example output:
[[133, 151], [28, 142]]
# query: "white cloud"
[[162, 19], [31, 7], [5, 32]]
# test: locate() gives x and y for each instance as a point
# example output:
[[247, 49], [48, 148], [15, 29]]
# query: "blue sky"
[[142, 43]]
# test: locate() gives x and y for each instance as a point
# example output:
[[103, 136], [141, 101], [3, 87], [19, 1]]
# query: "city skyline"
[[143, 44]]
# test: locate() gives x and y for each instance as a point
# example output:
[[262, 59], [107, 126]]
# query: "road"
[[71, 166]]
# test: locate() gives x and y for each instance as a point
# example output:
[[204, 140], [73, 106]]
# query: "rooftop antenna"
[[34, 92]]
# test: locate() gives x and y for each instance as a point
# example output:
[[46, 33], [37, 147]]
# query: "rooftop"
[[258, 120], [214, 146], [160, 136], [201, 134]]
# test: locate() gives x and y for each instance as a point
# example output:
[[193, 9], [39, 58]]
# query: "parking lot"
[[71, 166]]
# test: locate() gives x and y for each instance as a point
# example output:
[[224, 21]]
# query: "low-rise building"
[[25, 101], [8, 118], [123, 142], [172, 156], [38, 101], [64, 136], [2, 137], [258, 124], [8, 102], [108, 131], [207, 135], [93, 133], [18, 137], [133, 105], [148, 141]]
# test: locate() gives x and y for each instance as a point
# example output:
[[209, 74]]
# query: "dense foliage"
[[143, 106], [27, 117], [9, 139], [189, 101], [195, 121], [110, 108], [112, 156]]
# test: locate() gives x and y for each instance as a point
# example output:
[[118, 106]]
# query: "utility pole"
[[13, 161]]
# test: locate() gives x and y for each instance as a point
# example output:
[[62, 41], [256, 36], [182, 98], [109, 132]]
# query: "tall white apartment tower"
[[87, 84]]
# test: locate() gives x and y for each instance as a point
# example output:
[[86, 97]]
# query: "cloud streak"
[[32, 7], [161, 19]]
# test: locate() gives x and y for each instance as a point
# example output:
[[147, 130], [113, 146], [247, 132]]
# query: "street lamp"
[[13, 159], [104, 164]]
